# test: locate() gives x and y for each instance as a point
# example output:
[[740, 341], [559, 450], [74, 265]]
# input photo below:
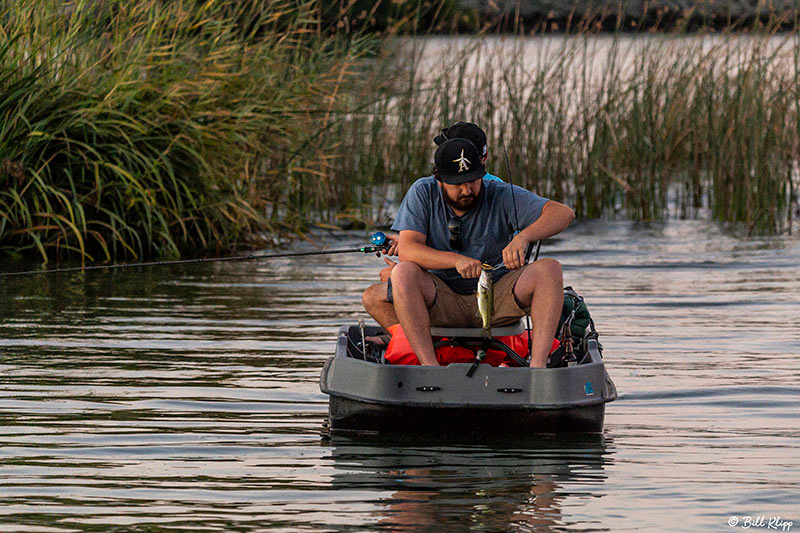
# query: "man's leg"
[[414, 292], [376, 303], [541, 286]]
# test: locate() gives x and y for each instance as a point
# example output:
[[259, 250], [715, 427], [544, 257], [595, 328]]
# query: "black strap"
[[478, 344]]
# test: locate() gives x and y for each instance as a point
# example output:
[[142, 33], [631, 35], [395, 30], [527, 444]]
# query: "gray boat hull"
[[369, 396]]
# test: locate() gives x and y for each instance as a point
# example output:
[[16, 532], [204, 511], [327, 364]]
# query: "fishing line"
[[530, 244], [379, 241], [514, 203], [511, 182]]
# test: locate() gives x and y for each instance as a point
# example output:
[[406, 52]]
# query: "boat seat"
[[500, 331]]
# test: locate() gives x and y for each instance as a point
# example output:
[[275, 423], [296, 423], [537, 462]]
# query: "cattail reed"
[[643, 126], [152, 128]]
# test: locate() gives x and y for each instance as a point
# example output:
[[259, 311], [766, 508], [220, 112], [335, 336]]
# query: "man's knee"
[[406, 275], [409, 279], [374, 295], [548, 269], [545, 272]]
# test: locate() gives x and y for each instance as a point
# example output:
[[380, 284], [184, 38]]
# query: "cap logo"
[[463, 162]]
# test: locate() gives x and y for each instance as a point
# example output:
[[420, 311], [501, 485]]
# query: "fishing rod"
[[380, 243], [527, 252], [514, 203]]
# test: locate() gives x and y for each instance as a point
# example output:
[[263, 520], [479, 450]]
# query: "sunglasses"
[[454, 225]]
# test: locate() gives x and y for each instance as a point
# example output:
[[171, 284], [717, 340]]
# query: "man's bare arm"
[[555, 218], [411, 247]]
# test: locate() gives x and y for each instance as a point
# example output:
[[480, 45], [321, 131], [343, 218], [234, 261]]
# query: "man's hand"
[[386, 272], [392, 249], [514, 253], [468, 267]]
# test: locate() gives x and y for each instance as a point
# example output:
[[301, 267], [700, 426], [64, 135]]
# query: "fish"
[[486, 298]]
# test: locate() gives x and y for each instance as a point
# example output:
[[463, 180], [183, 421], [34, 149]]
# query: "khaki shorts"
[[461, 310]]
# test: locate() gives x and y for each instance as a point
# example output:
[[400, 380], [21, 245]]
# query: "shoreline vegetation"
[[154, 129], [630, 15]]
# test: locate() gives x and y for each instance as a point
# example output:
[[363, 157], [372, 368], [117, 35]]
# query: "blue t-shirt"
[[486, 229]]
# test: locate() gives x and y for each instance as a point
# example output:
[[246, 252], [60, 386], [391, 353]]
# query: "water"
[[187, 398]]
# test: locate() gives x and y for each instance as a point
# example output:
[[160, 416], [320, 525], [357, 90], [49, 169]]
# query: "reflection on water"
[[500, 486], [188, 398]]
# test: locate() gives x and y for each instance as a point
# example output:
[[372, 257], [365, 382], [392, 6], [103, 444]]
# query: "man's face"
[[462, 197]]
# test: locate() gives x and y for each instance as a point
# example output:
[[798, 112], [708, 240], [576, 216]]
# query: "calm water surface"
[[188, 399]]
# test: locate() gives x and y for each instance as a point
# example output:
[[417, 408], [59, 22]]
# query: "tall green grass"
[[636, 125], [131, 129], [156, 128]]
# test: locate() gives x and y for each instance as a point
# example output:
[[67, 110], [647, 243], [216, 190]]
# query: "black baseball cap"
[[457, 161], [464, 130]]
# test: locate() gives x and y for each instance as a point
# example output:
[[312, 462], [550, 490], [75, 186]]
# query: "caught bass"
[[486, 298]]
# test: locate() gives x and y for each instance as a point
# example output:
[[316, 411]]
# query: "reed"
[[645, 126], [154, 128]]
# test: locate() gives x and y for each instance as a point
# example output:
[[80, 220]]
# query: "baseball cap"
[[457, 161], [464, 130]]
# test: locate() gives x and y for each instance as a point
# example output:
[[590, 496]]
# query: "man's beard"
[[462, 203]]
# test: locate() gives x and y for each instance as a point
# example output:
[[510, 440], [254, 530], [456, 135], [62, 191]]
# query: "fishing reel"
[[379, 239], [380, 243]]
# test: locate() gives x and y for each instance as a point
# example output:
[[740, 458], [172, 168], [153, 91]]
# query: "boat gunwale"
[[460, 405]]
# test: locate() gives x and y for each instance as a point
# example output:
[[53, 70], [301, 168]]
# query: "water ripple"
[[188, 398]]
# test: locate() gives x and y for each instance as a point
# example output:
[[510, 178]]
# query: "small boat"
[[366, 394]]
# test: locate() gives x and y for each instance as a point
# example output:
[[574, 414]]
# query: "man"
[[452, 222], [374, 298]]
